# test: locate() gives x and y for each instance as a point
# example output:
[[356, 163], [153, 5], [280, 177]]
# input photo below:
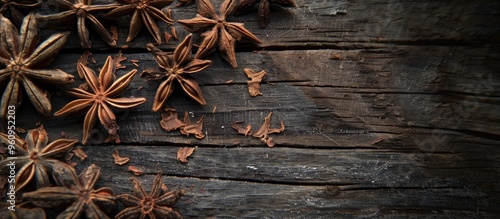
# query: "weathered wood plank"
[[320, 24]]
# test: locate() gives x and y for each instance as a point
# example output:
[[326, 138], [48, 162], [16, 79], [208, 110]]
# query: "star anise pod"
[[98, 100], [144, 12], [35, 157], [176, 67], [76, 191], [264, 8], [78, 11], [223, 33], [24, 62], [156, 204], [12, 7]]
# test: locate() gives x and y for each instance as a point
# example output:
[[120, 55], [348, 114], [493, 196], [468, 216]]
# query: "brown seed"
[[167, 37], [174, 33], [120, 160], [136, 171], [184, 153]]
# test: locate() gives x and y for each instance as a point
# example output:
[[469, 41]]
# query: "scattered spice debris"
[[336, 57], [378, 140], [170, 121], [184, 153], [242, 130], [215, 109], [192, 128], [255, 80], [136, 171], [264, 131], [230, 81], [80, 153], [157, 204], [120, 160]]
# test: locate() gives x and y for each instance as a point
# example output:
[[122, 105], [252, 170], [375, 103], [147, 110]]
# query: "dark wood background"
[[404, 124]]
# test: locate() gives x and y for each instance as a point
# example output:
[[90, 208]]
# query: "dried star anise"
[[35, 158], [144, 12], [96, 101], [24, 60], [176, 67], [156, 204], [264, 8], [223, 33], [13, 6], [78, 191], [77, 11]]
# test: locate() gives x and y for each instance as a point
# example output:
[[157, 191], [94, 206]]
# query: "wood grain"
[[391, 110]]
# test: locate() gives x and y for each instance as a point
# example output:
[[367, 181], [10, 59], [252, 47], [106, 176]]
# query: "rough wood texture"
[[391, 110]]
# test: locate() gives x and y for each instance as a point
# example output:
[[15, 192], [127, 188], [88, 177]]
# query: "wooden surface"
[[404, 124]]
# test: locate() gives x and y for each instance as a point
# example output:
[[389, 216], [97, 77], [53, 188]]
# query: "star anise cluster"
[[216, 30], [35, 157], [23, 64], [98, 95], [78, 13], [264, 8], [145, 12]]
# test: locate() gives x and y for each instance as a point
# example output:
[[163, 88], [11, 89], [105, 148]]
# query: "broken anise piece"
[[24, 62], [223, 33], [195, 129], [156, 204], [264, 8], [136, 171], [97, 101], [183, 153], [176, 67], [145, 12], [170, 121], [255, 79], [35, 157], [120, 160], [78, 11], [264, 131], [76, 191], [242, 130]]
